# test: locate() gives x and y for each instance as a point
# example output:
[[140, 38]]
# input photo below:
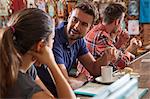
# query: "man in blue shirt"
[[69, 45]]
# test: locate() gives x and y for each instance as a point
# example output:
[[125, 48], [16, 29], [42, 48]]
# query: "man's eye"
[[84, 24], [74, 20]]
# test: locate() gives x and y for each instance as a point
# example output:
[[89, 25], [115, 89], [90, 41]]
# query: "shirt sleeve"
[[123, 60], [83, 49], [100, 46], [34, 90], [32, 72]]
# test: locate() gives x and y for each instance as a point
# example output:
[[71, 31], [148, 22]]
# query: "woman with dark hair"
[[28, 38]]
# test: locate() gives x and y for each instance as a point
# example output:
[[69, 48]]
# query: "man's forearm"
[[101, 61], [130, 49]]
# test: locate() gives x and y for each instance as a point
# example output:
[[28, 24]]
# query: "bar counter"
[[141, 65]]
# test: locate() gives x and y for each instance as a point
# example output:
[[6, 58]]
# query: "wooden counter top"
[[143, 68]]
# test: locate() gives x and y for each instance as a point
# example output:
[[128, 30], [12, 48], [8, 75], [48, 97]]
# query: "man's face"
[[79, 24]]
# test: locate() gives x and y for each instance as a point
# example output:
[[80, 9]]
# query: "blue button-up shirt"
[[63, 52]]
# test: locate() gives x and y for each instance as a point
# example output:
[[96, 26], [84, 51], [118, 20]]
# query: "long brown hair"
[[25, 28]]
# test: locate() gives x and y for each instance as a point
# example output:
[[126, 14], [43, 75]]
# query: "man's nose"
[[77, 25]]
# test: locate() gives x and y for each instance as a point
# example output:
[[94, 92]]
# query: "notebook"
[[92, 89], [96, 90]]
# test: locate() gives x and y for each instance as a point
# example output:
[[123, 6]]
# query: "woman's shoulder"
[[24, 87]]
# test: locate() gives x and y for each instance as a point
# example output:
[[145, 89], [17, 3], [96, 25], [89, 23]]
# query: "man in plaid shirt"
[[109, 34]]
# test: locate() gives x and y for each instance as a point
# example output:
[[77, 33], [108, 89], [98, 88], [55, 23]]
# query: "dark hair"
[[113, 11], [26, 28], [88, 8]]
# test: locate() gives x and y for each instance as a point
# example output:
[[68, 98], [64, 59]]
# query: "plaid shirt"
[[97, 40]]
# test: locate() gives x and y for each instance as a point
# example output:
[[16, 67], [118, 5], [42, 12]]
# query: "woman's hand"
[[44, 56]]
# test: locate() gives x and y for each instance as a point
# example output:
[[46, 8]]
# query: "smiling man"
[[69, 46]]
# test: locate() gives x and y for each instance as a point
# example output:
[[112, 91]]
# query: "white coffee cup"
[[106, 73]]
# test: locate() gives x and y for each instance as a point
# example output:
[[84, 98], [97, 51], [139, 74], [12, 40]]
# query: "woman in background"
[[28, 38]]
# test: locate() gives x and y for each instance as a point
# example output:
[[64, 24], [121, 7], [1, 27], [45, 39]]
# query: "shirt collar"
[[101, 27], [63, 36]]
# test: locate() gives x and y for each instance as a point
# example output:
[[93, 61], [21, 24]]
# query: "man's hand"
[[78, 82], [134, 44], [122, 38], [111, 53]]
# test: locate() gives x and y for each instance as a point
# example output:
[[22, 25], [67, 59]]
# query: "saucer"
[[100, 80]]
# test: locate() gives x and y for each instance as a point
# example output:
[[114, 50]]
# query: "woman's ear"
[[40, 45]]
